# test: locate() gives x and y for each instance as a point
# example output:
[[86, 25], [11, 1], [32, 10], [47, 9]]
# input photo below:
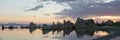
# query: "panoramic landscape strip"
[[86, 27]]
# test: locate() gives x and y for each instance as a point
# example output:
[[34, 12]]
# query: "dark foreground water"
[[38, 34]]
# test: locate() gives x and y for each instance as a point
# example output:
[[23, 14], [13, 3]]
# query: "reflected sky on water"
[[38, 34]]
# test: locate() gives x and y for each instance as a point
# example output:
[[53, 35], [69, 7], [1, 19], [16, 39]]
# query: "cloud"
[[44, 2], [35, 8], [49, 7], [92, 9], [85, 1], [47, 14], [80, 8]]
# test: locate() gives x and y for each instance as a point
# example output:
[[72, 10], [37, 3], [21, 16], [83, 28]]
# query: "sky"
[[47, 11]]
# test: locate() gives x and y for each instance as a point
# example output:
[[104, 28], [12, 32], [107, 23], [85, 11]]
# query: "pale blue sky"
[[47, 11], [14, 11], [8, 7]]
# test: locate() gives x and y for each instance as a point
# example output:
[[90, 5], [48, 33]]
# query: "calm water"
[[38, 34]]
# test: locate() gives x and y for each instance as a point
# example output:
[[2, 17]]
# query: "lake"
[[38, 34]]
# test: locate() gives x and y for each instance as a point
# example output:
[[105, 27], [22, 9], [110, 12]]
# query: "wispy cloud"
[[83, 8], [35, 8]]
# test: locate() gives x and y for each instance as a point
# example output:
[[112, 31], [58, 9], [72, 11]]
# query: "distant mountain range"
[[14, 24]]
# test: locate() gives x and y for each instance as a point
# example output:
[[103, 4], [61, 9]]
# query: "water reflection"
[[31, 30], [101, 34]]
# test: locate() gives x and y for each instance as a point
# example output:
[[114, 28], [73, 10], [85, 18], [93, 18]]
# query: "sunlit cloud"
[[106, 1]]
